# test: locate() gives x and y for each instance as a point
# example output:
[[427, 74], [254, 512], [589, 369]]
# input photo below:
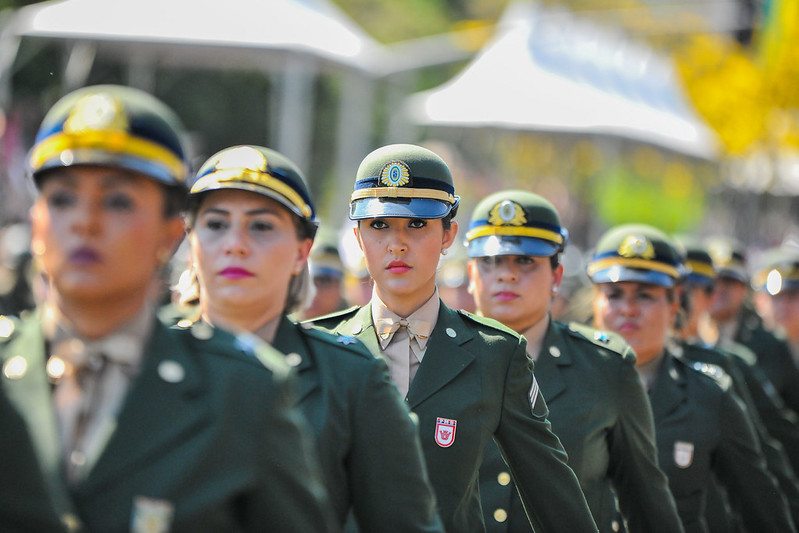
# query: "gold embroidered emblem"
[[97, 112], [395, 174], [507, 213], [637, 246], [242, 157]]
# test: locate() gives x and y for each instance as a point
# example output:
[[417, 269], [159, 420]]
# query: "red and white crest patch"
[[445, 431], [683, 454]]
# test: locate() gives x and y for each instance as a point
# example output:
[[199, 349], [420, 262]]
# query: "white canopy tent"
[[293, 39], [548, 71]]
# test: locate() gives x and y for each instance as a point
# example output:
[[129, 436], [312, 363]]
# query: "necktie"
[[403, 341], [89, 372]]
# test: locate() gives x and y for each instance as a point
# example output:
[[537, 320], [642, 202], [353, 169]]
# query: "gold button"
[[503, 478], [554, 351], [6, 327], [614, 525], [500, 515], [16, 367], [293, 359], [184, 323]]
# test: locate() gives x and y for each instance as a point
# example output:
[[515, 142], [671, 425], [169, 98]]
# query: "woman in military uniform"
[[466, 378], [597, 405], [701, 428], [137, 427], [252, 224]]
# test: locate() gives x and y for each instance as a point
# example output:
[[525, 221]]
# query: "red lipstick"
[[236, 273]]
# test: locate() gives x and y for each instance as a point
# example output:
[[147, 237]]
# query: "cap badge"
[[637, 246], [395, 174], [96, 112], [242, 157], [720, 252], [445, 431], [507, 213]]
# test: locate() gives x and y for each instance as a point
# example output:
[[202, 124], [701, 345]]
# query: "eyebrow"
[[114, 178], [251, 212]]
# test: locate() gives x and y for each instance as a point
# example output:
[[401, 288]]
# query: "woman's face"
[[513, 289], [245, 251], [402, 256], [101, 234], [642, 313]]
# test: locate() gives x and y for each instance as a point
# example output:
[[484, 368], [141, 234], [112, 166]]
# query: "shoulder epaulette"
[[608, 340], [712, 371], [332, 319], [351, 344], [252, 347], [489, 322], [269, 357]]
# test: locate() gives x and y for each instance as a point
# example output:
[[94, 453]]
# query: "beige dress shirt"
[[403, 340], [92, 379]]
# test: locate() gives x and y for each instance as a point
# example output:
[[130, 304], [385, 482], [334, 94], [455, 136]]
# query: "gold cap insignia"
[[243, 157], [637, 246], [507, 213], [97, 112], [721, 253], [395, 174]]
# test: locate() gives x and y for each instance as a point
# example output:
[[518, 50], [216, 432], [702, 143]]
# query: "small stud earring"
[[444, 251], [555, 289]]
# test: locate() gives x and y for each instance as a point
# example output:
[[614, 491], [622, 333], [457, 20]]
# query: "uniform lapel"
[[289, 340], [31, 394], [361, 327], [548, 368], [159, 411], [668, 391], [444, 358]]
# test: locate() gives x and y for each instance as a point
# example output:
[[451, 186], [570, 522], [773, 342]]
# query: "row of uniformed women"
[[135, 426]]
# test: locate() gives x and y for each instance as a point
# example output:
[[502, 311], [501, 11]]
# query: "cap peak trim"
[[515, 231], [398, 192], [632, 262]]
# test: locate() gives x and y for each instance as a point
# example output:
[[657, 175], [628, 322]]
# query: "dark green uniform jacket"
[[773, 356], [368, 445], [25, 505], [703, 429], [220, 443], [776, 458], [599, 410], [474, 380]]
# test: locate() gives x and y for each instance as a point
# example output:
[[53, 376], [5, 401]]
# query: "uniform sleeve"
[[290, 495], [739, 465], [388, 477], [642, 488], [548, 488]]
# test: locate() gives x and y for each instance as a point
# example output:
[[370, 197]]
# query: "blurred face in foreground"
[[402, 256], [641, 312], [514, 289], [245, 250], [101, 235]]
